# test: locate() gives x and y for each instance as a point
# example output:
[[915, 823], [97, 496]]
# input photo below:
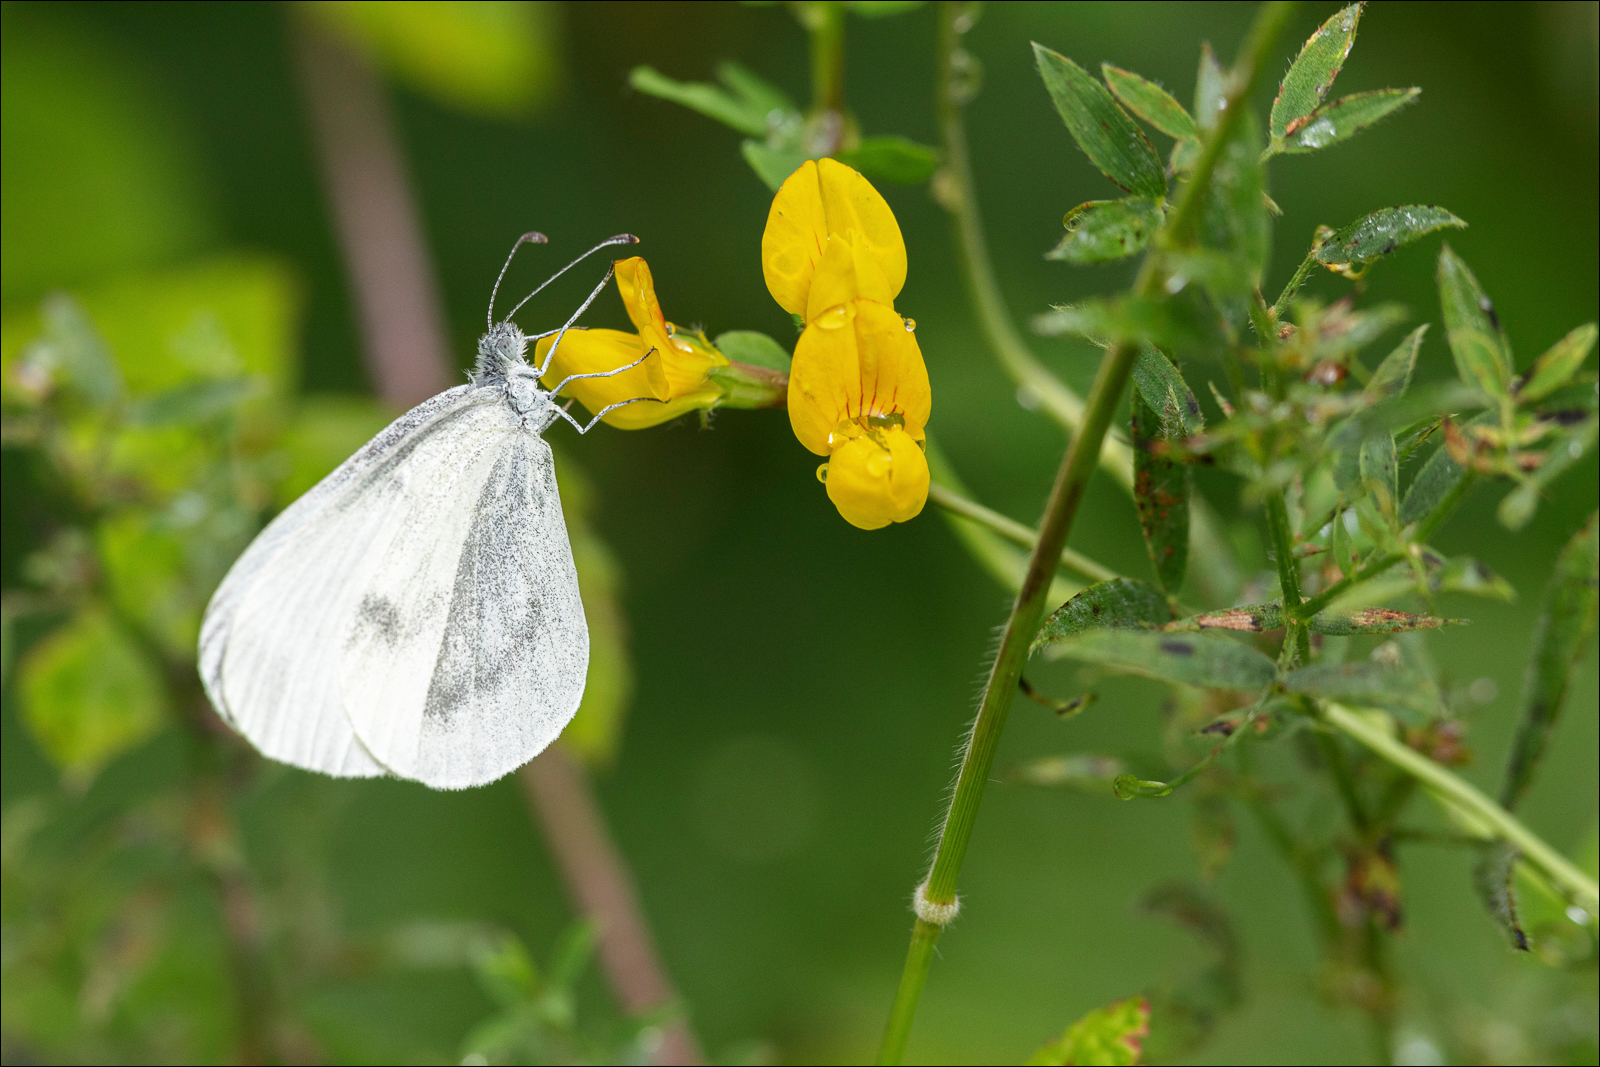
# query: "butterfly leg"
[[548, 356], [603, 412], [601, 373]]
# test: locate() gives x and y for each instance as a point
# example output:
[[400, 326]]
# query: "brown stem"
[[392, 281], [598, 881]]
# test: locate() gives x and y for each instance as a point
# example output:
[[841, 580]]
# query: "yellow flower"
[[858, 388], [676, 371]]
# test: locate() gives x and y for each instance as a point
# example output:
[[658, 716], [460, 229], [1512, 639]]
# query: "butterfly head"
[[500, 352]]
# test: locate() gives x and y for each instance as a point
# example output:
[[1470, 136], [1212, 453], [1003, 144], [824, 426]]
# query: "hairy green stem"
[[1012, 530], [1301, 273], [1297, 639], [1082, 456], [1466, 798]]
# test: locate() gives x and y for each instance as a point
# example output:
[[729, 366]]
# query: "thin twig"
[[1012, 530]]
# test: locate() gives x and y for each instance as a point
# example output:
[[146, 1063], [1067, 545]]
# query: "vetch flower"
[[678, 371], [858, 388]]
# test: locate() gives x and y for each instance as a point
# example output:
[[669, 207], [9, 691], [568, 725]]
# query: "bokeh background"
[[801, 685]]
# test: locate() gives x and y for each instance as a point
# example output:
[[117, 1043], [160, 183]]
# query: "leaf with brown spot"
[[1161, 488]]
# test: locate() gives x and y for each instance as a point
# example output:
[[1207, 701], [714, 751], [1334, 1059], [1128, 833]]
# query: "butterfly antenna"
[[551, 354], [530, 238], [619, 239]]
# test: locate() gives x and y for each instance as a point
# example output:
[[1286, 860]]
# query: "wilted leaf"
[[756, 349], [892, 158], [89, 694], [1364, 682], [1494, 878], [772, 165], [1198, 660], [1556, 367], [1374, 236], [1346, 117], [1149, 101], [491, 56], [1482, 356], [1311, 74], [1394, 373], [1111, 140], [1113, 1035], [1085, 771], [1103, 230], [1161, 384], [1161, 488], [1120, 603], [1562, 637]]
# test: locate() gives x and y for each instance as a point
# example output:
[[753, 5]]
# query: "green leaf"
[[1210, 90], [1149, 101], [145, 564], [758, 95], [1225, 275], [1435, 486], [878, 9], [494, 58], [1380, 472], [1562, 637], [193, 404], [1394, 373], [1110, 1035], [323, 432], [1112, 141], [1161, 384], [1084, 771], [1256, 618], [893, 159], [1161, 488], [1494, 878], [1104, 230], [1374, 236], [88, 695], [1346, 117], [504, 968], [772, 165], [1472, 327], [756, 349], [1199, 660], [1311, 74], [72, 352], [1566, 449], [1119, 603], [1364, 682], [1556, 367], [710, 100], [1235, 218]]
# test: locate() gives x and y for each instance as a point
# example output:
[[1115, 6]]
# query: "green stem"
[[1463, 796], [1300, 275], [1297, 639], [824, 22], [1082, 456], [1339, 767], [1012, 530]]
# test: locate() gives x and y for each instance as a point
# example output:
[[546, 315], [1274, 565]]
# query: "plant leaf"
[[1149, 101], [1119, 603], [1161, 489], [1198, 660], [711, 101], [1256, 618], [1374, 236], [1210, 90], [88, 695], [1112, 141], [1380, 472], [758, 95], [1566, 449], [1394, 373], [1561, 639], [1473, 329], [1364, 682], [754, 348], [1161, 384], [1311, 74], [1112, 1035], [1103, 230], [1434, 486], [1346, 117], [893, 159], [1556, 367], [772, 165]]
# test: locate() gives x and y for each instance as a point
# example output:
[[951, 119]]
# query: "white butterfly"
[[416, 613]]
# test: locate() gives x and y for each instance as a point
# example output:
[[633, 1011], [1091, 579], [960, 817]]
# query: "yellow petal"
[[585, 351], [878, 478], [854, 362], [823, 198], [847, 270]]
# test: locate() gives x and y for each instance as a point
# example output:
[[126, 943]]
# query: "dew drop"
[[822, 474], [911, 324], [835, 317]]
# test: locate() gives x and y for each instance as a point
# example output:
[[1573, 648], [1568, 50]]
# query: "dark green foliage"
[[1111, 140], [1120, 603]]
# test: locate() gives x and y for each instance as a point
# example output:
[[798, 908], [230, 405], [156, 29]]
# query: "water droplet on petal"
[[911, 324], [822, 474], [835, 317]]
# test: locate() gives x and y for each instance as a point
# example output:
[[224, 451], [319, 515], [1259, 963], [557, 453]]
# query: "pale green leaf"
[[1374, 236], [1312, 73], [89, 694], [1473, 329], [1111, 1035], [1103, 230], [145, 564], [1149, 101], [756, 93], [709, 100], [1556, 367], [1112, 141], [1394, 373], [1346, 117], [756, 349], [893, 159], [772, 165], [1364, 682], [1116, 603]]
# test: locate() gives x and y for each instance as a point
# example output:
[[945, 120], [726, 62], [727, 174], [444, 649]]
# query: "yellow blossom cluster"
[[833, 256]]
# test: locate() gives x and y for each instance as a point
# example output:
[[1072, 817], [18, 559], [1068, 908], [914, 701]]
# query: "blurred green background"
[[801, 685]]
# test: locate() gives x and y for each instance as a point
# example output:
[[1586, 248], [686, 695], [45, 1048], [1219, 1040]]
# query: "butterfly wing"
[[273, 637], [507, 669]]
